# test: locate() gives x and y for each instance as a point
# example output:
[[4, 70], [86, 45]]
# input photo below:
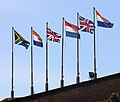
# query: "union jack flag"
[[86, 25], [53, 36]]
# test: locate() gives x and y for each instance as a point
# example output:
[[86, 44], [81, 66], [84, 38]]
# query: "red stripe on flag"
[[72, 26], [104, 19], [36, 34]]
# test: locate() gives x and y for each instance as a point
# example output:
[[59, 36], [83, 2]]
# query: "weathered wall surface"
[[89, 91]]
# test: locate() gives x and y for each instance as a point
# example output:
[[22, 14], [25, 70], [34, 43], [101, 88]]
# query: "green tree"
[[114, 97]]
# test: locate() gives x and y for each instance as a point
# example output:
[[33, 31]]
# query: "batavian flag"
[[20, 40], [86, 25], [103, 22], [37, 39], [53, 36], [72, 30]]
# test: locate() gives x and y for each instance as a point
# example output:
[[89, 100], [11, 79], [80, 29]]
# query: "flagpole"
[[78, 73], [32, 87], [46, 84], [95, 73], [62, 76], [12, 81]]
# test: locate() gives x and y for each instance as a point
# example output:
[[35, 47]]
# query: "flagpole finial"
[[63, 19], [46, 23]]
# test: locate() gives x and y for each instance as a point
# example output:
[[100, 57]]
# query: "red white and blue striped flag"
[[103, 22], [37, 39], [72, 30], [53, 36]]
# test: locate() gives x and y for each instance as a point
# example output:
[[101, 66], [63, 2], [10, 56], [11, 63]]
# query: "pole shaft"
[[32, 87], [95, 74], [46, 85], [62, 76], [12, 81], [78, 77]]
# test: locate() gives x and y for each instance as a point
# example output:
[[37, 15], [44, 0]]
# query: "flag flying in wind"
[[103, 22], [53, 36], [20, 40], [72, 30], [37, 39], [86, 25]]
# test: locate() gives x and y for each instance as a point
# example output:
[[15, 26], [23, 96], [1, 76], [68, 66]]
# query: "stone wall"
[[97, 90]]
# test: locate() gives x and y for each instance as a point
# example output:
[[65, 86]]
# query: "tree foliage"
[[114, 97]]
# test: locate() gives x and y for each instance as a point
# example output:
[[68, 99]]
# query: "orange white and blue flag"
[[103, 22], [37, 39], [72, 30]]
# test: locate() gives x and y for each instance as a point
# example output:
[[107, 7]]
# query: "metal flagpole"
[[12, 81], [62, 76], [78, 78], [95, 74], [32, 87], [46, 84]]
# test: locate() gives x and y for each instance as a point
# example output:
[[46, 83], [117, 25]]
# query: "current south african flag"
[[20, 40]]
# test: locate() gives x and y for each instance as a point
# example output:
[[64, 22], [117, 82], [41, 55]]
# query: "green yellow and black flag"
[[20, 40]]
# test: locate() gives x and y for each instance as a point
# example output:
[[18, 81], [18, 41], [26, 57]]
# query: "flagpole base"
[[95, 75], [62, 83], [12, 94], [77, 79], [32, 90], [46, 87]]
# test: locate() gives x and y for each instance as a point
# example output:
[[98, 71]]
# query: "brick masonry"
[[97, 90]]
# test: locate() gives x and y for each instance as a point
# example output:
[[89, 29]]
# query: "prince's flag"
[[103, 22], [37, 39], [72, 30]]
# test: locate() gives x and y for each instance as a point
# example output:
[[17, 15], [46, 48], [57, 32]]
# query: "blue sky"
[[24, 14]]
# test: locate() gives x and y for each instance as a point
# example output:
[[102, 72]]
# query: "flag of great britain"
[[86, 25], [53, 36]]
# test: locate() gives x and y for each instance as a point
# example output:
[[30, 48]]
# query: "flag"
[[103, 22], [72, 30], [20, 40], [37, 39], [53, 36], [86, 25]]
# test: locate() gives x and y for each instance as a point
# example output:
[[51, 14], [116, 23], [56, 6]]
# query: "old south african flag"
[[20, 40]]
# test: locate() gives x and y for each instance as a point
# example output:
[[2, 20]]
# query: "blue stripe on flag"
[[24, 44], [40, 44], [73, 35], [104, 24]]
